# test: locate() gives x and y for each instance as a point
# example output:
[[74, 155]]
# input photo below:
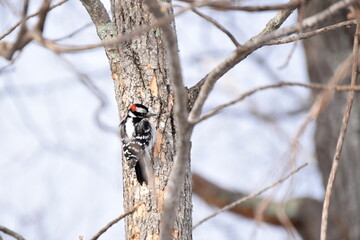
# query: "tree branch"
[[10, 30], [97, 11], [221, 5], [11, 233], [183, 129], [251, 196], [277, 85], [42, 16], [95, 91], [311, 33], [111, 223], [340, 141], [219, 26], [25, 36], [231, 61], [269, 33]]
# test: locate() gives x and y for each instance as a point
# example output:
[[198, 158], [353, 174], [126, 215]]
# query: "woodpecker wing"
[[144, 133], [145, 136], [133, 153]]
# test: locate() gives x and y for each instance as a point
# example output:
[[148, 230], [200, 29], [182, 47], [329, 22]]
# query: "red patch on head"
[[133, 108]]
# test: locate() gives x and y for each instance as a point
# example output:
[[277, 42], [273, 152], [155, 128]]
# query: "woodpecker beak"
[[150, 114]]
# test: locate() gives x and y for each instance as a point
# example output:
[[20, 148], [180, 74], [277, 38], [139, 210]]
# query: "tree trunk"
[[141, 71], [141, 75], [324, 53]]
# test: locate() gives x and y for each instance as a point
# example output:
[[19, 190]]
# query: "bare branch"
[[253, 195], [77, 31], [231, 61], [11, 233], [221, 5], [183, 130], [254, 43], [277, 85], [340, 141], [113, 41], [219, 26], [10, 30], [296, 210], [88, 83], [110, 224], [97, 11], [25, 36], [42, 16], [300, 18], [21, 40], [311, 33]]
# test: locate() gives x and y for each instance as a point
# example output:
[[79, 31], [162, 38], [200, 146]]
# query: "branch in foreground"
[[25, 36], [243, 199], [183, 130], [104, 229], [340, 141], [11, 233]]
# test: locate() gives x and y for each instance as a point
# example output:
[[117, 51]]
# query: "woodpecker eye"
[[133, 108]]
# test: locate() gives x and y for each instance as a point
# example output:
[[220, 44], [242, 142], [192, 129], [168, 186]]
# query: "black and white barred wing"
[[145, 134], [145, 137]]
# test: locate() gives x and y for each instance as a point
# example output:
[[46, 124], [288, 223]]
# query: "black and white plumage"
[[138, 137]]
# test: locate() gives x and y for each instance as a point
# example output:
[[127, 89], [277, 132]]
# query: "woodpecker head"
[[139, 111]]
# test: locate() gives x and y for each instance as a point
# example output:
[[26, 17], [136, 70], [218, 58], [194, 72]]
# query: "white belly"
[[129, 128]]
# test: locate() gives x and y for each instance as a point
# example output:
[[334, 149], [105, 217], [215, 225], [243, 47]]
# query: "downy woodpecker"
[[138, 137]]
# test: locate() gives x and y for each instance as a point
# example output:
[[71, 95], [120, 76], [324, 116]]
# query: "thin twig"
[[300, 18], [109, 225], [269, 33], [11, 233], [277, 85], [28, 17], [25, 36], [232, 60], [228, 6], [237, 56], [90, 85], [77, 31], [311, 33], [115, 41], [253, 195], [340, 141], [219, 26]]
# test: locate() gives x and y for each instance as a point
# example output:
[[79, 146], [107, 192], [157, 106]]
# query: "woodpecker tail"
[[140, 174]]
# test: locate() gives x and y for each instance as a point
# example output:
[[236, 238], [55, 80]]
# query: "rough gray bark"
[[324, 53], [141, 73]]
